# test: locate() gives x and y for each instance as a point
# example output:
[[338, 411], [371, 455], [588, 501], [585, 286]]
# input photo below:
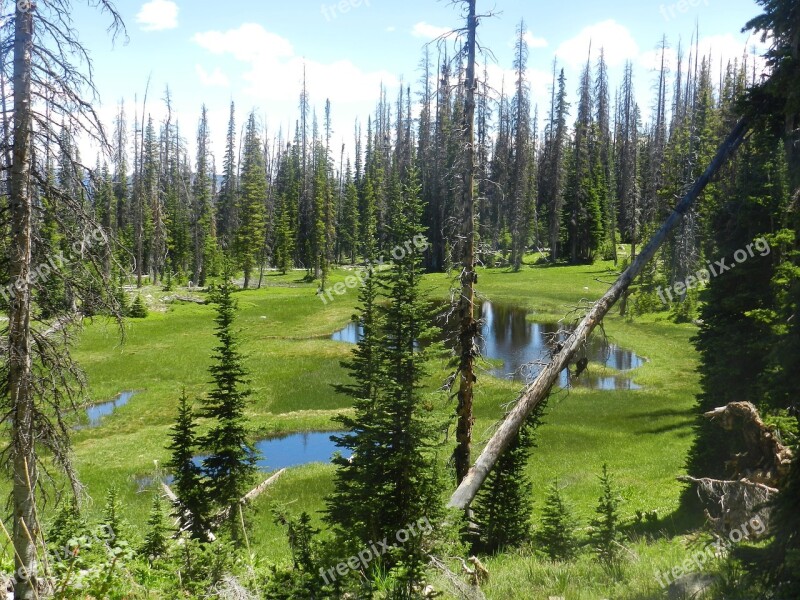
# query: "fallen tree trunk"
[[222, 515], [251, 495], [538, 390]]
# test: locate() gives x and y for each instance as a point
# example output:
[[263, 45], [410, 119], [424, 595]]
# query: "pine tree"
[[138, 308], [203, 233], [155, 540], [117, 527], [504, 505], [230, 459], [397, 471], [551, 189], [518, 217], [604, 534], [349, 506], [249, 235], [735, 339], [68, 525], [557, 535], [226, 211], [187, 476]]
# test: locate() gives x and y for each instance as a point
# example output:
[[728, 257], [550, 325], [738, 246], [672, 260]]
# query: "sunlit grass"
[[285, 328]]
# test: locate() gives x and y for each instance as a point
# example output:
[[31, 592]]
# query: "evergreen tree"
[[348, 507], [604, 534], [138, 308], [393, 479], [226, 203], [230, 459], [187, 477], [734, 339], [203, 233], [155, 540], [557, 535], [117, 527], [504, 505], [551, 189], [249, 235]]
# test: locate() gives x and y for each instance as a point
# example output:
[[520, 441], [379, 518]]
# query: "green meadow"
[[285, 332]]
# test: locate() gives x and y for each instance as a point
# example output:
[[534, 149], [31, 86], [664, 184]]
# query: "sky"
[[254, 52]]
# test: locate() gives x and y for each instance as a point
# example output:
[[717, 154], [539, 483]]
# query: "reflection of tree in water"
[[526, 347]]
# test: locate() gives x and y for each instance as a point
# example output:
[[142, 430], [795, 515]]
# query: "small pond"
[[96, 412], [295, 449], [279, 452], [508, 336]]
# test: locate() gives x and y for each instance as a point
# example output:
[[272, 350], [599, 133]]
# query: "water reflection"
[[522, 346], [96, 412]]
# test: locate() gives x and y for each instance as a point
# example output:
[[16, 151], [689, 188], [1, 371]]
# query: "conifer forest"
[[441, 299]]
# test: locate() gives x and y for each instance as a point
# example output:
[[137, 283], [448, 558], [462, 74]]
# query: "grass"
[[285, 328]]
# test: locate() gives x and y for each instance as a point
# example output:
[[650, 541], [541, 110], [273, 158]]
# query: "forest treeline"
[[576, 183]]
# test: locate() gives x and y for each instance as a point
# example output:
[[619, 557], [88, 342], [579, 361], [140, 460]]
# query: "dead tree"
[[539, 389], [466, 303], [39, 379]]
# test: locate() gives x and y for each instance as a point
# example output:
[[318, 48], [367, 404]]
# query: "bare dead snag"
[[538, 390], [466, 302]]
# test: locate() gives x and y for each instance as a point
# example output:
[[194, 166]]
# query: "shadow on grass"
[[688, 517]]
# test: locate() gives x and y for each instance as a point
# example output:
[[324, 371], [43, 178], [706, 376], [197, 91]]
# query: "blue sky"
[[254, 51]]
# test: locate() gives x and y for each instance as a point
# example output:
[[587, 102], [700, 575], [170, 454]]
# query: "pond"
[[295, 449], [509, 338], [96, 412], [278, 452]]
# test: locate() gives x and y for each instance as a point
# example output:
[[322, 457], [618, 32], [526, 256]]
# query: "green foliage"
[[138, 308], [248, 238], [67, 526], [734, 339], [504, 504], [558, 533], [188, 484], [605, 536], [230, 458], [393, 478], [303, 579], [118, 528], [155, 540]]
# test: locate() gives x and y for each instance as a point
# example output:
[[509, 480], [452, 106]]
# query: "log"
[[251, 495], [535, 392]]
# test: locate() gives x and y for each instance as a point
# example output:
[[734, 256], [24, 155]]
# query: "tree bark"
[[466, 303], [20, 360], [536, 391]]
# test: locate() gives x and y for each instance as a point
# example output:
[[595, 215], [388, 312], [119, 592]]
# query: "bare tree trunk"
[[19, 338], [536, 391], [466, 303]]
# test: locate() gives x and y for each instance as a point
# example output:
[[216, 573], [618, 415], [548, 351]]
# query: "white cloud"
[[615, 39], [158, 15], [391, 28], [428, 31], [274, 71], [533, 41], [214, 79]]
